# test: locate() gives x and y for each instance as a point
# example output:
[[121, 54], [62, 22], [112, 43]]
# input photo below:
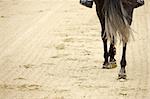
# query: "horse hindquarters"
[[108, 11]]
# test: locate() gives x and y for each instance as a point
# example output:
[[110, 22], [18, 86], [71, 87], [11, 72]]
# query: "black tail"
[[116, 23]]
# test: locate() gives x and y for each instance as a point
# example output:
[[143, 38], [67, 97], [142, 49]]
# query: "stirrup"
[[87, 3], [139, 3]]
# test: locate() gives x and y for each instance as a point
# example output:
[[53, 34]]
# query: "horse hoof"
[[109, 66], [122, 74], [122, 80], [105, 66], [113, 64]]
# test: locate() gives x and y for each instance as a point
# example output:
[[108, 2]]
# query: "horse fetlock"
[[112, 51], [123, 63], [122, 73]]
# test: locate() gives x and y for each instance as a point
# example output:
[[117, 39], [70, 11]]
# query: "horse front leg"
[[122, 72]]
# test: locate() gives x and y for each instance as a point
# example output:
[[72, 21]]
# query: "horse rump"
[[116, 23]]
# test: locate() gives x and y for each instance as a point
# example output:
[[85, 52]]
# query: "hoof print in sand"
[[27, 66], [20, 78], [60, 47], [24, 87], [29, 87], [68, 40], [2, 16]]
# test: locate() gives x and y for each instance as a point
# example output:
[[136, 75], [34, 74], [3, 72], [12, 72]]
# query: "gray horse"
[[115, 18]]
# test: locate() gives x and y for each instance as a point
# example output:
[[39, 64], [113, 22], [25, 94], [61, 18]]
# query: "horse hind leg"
[[112, 53], [122, 72], [104, 39], [106, 54], [109, 63]]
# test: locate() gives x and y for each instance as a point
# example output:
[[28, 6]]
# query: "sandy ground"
[[51, 49]]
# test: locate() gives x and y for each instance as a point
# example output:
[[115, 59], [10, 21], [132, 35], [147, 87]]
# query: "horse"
[[115, 17]]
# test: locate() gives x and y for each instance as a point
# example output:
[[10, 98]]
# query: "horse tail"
[[116, 23]]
